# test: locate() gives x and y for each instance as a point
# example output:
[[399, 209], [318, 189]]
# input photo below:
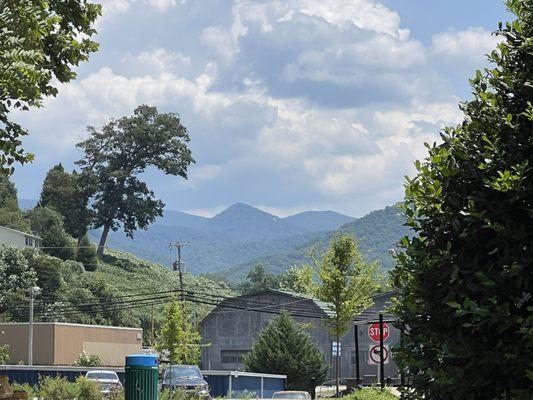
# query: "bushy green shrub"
[[116, 394], [371, 394], [32, 391], [88, 360], [4, 354], [87, 390], [56, 389]]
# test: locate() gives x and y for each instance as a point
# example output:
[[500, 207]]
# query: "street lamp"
[[33, 291]]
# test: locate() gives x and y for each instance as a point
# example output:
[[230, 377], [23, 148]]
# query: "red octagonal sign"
[[373, 332]]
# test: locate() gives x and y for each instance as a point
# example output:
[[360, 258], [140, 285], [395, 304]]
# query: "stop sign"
[[373, 332]]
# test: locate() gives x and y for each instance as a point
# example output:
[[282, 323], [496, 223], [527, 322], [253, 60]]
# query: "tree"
[[283, 347], [48, 224], [177, 339], [10, 214], [63, 192], [258, 279], [86, 254], [116, 156], [298, 280], [41, 42], [346, 283], [466, 278], [16, 277]]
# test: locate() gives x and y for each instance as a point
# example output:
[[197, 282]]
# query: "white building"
[[12, 237]]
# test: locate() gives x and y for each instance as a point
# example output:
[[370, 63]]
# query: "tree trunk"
[[101, 245]]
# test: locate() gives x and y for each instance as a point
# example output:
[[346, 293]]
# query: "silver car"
[[107, 380]]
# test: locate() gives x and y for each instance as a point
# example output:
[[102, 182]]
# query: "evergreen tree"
[[283, 347], [64, 193], [177, 339], [86, 254], [48, 224], [10, 214], [466, 278]]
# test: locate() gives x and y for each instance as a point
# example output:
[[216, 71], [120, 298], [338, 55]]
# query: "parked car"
[[292, 394], [187, 378], [107, 380]]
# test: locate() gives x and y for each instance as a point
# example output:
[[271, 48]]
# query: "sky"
[[291, 105]]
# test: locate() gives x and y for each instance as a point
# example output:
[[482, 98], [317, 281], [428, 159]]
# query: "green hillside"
[[111, 295]]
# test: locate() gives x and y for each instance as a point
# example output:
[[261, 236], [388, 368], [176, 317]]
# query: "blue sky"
[[291, 105]]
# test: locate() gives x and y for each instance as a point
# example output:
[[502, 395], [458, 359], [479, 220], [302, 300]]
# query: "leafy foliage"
[[16, 277], [370, 394], [88, 360], [56, 388], [466, 278], [40, 42], [87, 389], [298, 280], [258, 279], [346, 283], [116, 156], [63, 192], [10, 214], [178, 340], [4, 354], [86, 254], [283, 347]]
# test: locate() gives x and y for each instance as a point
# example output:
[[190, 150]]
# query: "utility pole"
[[33, 291], [177, 265], [152, 335]]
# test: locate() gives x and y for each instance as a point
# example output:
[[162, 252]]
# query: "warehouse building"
[[229, 331], [57, 343]]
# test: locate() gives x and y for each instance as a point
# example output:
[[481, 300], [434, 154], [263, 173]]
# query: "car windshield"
[[287, 395], [101, 375], [182, 372]]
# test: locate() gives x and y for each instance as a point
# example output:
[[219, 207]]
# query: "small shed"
[[237, 384]]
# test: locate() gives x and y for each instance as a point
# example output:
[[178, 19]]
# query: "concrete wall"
[[61, 344], [12, 237]]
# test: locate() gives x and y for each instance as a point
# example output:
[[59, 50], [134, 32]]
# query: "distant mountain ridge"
[[376, 233], [237, 235]]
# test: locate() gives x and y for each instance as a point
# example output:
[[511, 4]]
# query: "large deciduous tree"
[[258, 279], [466, 278], [40, 44], [116, 156], [346, 282], [283, 347], [64, 193]]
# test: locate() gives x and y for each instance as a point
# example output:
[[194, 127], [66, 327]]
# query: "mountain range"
[[241, 236]]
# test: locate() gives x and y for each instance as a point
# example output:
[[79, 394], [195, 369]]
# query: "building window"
[[29, 241], [233, 357]]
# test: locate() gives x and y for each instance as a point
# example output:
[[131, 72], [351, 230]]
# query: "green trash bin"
[[142, 374]]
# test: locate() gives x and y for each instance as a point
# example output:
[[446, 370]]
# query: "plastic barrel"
[[141, 377]]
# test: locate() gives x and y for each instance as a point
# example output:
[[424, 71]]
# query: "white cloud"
[[468, 45], [163, 5]]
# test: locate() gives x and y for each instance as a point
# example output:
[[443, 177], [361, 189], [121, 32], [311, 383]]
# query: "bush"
[[371, 394], [25, 387], [88, 360], [86, 254], [4, 354], [87, 390], [56, 389]]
